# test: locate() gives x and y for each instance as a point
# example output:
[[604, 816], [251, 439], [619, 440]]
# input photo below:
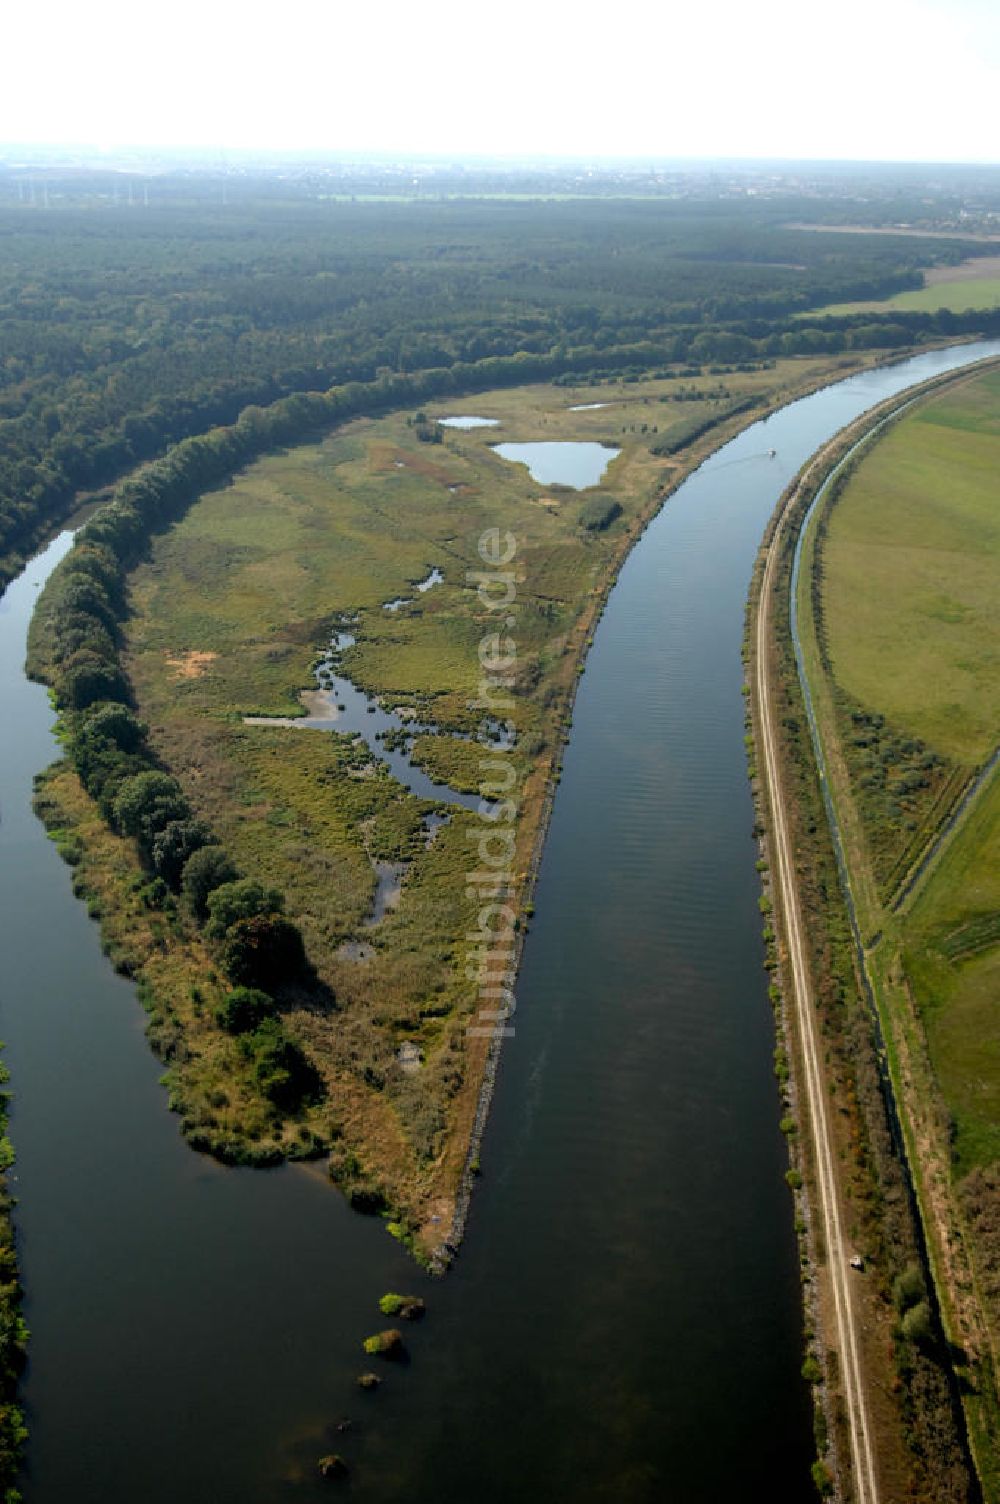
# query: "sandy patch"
[[191, 665]]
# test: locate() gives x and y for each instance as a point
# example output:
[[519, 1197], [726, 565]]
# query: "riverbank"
[[13, 1330], [851, 1109], [909, 921]]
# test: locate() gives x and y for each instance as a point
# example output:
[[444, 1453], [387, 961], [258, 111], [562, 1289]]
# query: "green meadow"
[[910, 589], [956, 297], [906, 572], [910, 575], [952, 950]]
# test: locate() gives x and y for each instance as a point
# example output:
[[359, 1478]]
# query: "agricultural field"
[[903, 650], [373, 532], [910, 565], [910, 575], [972, 285]]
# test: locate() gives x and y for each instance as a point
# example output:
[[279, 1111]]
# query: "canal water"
[[623, 1321]]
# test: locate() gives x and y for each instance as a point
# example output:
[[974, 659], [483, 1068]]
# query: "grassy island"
[[325, 956]]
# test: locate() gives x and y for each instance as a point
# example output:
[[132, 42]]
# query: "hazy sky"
[[907, 79]]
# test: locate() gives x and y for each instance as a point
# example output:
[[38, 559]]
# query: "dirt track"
[[838, 1270]]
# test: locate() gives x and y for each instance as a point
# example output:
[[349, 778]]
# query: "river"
[[623, 1321]]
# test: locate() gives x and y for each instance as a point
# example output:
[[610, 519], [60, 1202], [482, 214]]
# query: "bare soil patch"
[[191, 665]]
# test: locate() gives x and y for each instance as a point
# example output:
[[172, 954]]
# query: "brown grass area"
[[191, 665], [384, 456]]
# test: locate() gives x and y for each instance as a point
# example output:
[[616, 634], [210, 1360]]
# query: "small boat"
[[772, 454]]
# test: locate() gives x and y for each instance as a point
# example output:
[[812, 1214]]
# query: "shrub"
[[205, 870], [112, 722], [244, 1009], [146, 803], [280, 1070], [367, 1200], [908, 1289], [88, 680], [388, 1344], [242, 898], [174, 844], [97, 564], [599, 513], [264, 951], [410, 1307], [822, 1478], [103, 767], [75, 632], [84, 595], [917, 1324], [155, 894]]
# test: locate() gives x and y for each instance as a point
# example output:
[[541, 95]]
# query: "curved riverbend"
[[624, 1320]]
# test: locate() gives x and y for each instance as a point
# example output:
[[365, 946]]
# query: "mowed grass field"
[[911, 574], [911, 608]]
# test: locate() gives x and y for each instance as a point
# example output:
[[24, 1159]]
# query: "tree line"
[[126, 333]]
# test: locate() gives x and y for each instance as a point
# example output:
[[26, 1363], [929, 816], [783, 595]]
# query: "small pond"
[[434, 578], [469, 422], [561, 463]]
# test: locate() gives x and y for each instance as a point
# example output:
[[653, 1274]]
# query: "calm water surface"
[[623, 1321], [561, 462], [469, 422], [339, 705]]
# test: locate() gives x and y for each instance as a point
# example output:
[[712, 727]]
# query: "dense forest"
[[130, 326]]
